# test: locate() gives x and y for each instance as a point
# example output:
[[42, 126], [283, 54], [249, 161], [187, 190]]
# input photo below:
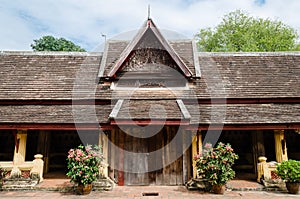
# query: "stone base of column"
[[15, 172]]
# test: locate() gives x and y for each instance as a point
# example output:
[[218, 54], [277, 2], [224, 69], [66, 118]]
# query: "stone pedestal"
[[38, 167], [261, 167]]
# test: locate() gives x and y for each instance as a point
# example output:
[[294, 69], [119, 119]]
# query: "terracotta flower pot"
[[293, 187], [218, 189], [84, 189]]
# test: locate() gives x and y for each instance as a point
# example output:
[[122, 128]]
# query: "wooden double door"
[[150, 160]]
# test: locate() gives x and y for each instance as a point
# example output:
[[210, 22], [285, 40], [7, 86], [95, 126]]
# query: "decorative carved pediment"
[[148, 46], [150, 60]]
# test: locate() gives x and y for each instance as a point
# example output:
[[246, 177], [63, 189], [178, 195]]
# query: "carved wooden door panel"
[[136, 161]]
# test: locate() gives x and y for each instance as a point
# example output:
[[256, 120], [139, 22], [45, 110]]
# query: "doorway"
[[155, 160]]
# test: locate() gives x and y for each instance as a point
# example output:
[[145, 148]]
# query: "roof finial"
[[148, 11]]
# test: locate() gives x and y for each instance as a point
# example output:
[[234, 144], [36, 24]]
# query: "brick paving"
[[136, 192], [57, 186], [62, 188]]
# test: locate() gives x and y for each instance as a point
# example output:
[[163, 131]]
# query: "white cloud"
[[83, 21]]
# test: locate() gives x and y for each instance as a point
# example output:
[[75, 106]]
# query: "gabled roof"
[[51, 76], [149, 28]]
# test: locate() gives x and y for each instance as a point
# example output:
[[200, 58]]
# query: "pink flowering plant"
[[215, 164], [83, 164]]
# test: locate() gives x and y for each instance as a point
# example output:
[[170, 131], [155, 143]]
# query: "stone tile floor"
[[136, 192], [55, 187]]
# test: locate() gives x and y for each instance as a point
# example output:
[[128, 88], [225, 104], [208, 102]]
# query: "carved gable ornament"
[[148, 53]]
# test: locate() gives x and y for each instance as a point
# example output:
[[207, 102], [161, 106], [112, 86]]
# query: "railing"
[[35, 167], [266, 170]]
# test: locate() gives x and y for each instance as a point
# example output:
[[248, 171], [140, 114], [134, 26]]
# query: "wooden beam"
[[55, 102], [183, 109], [113, 125], [103, 61], [243, 126], [242, 100], [149, 122], [116, 109], [125, 54], [186, 101], [196, 59], [43, 126]]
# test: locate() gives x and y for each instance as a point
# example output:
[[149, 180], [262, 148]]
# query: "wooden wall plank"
[[111, 154], [179, 161], [121, 159], [172, 156], [166, 156], [159, 140]]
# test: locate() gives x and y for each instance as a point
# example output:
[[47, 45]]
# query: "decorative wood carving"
[[150, 60]]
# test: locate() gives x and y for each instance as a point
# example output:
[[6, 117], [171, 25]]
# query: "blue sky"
[[84, 21]]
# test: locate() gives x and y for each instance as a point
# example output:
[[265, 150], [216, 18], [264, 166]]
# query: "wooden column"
[[43, 148], [103, 142], [186, 161], [121, 159], [166, 157], [280, 146], [196, 149], [112, 155], [258, 148]]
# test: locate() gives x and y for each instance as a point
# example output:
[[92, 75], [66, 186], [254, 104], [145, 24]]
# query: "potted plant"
[[83, 166], [215, 165], [289, 171]]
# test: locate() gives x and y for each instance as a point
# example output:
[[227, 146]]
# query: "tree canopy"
[[239, 32], [50, 43]]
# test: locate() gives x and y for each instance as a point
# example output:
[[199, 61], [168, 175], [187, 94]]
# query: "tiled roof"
[[52, 76], [203, 113], [43, 75], [53, 113], [245, 113], [149, 109], [250, 75]]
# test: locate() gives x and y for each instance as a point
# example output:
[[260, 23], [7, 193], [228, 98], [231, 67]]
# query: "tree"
[[240, 32], [50, 43]]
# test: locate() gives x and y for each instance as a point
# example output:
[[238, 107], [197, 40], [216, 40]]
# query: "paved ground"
[[236, 189], [172, 192]]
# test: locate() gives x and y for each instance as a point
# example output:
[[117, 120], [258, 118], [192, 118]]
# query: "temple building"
[[151, 103]]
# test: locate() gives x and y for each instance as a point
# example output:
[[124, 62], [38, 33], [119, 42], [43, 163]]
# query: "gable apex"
[[141, 40]]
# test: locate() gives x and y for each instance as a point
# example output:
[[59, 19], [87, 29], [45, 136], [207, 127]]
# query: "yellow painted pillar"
[[280, 146], [20, 148], [199, 141], [196, 149], [103, 141], [20, 152]]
